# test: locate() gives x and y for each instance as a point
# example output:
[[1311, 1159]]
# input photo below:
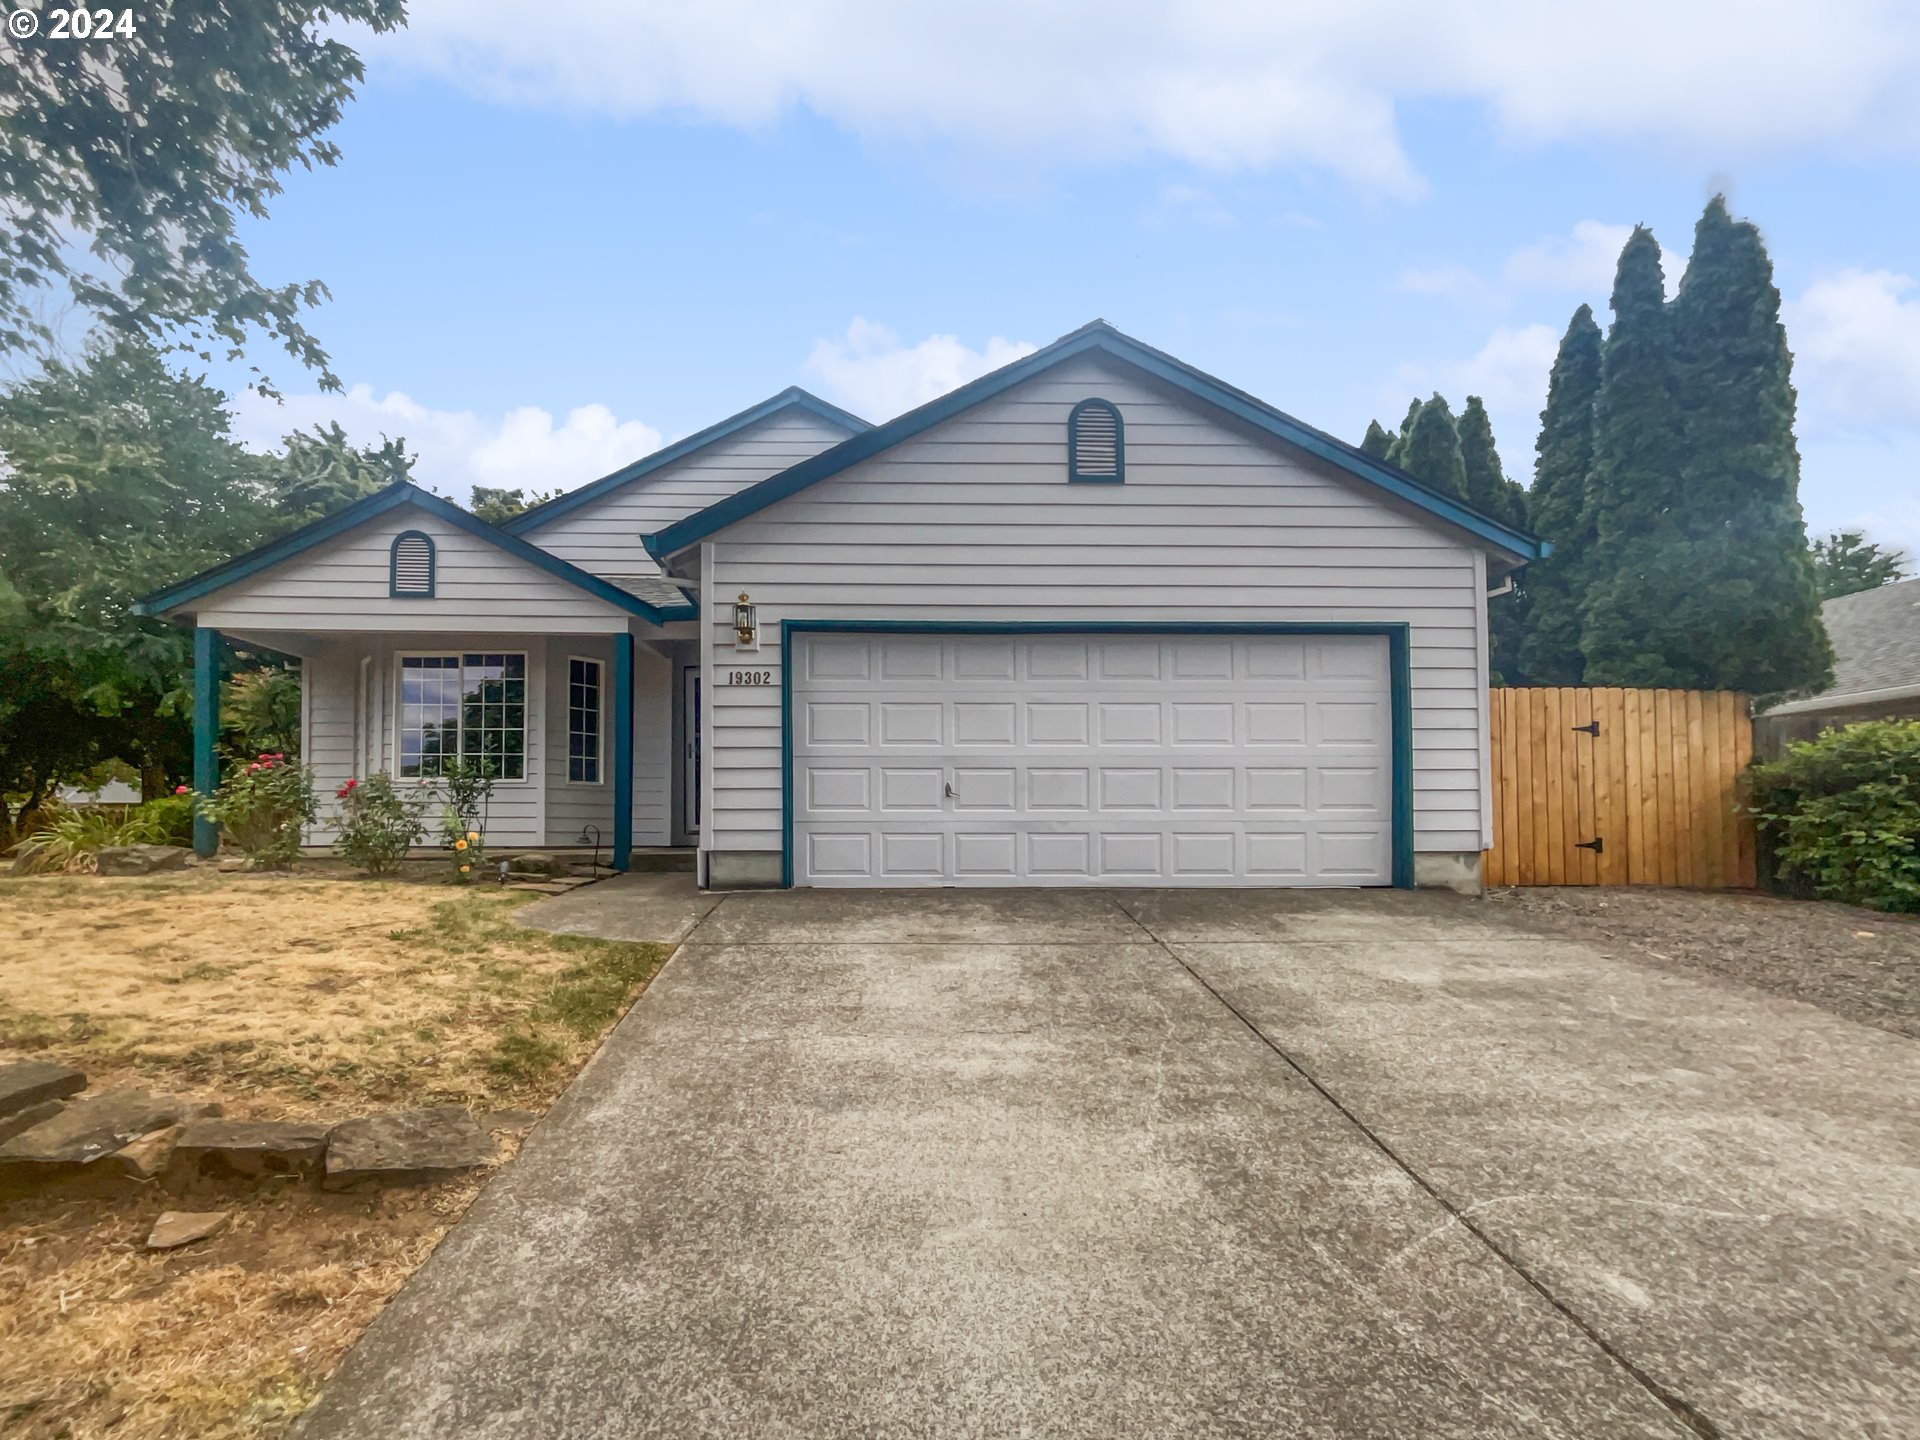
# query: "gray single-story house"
[[1096, 618], [1876, 667]]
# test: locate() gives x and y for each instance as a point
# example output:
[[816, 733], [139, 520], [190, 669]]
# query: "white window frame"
[[600, 729], [460, 653]]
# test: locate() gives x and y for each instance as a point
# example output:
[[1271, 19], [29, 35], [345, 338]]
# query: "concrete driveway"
[[1170, 1163]]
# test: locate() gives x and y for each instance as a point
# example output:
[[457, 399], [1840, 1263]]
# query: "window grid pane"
[[583, 721], [467, 706]]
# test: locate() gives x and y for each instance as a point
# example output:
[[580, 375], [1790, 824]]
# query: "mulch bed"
[[1857, 963]]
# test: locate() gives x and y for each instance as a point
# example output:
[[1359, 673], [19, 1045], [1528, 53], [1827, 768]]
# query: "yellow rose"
[[473, 834], [465, 868], [459, 844]]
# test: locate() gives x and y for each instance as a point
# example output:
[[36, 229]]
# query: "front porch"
[[585, 732]]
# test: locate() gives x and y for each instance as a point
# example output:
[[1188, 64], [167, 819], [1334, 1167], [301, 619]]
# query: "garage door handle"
[[950, 794]]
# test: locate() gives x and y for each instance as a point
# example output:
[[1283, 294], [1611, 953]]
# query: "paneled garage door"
[[1024, 759]]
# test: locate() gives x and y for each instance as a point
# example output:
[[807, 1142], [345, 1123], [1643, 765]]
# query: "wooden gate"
[[1619, 787]]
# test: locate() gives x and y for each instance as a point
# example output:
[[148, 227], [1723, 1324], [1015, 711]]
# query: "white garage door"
[[1091, 760]]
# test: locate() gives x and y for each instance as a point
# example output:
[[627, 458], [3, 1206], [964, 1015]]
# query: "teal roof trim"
[[331, 527], [538, 515], [1099, 336]]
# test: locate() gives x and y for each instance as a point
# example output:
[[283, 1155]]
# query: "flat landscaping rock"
[[251, 1147], [23, 1120], [31, 1082], [406, 1145], [98, 1125], [141, 859], [546, 867], [146, 1157], [175, 1228]]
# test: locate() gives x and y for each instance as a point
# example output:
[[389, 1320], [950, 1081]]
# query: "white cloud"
[[1509, 373], [1856, 343], [1584, 260], [1581, 262], [873, 374], [1894, 523], [1238, 85], [459, 449]]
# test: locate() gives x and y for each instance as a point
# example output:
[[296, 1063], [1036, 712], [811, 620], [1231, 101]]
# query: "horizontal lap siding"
[[339, 734], [344, 586], [604, 535], [976, 521], [543, 810], [571, 807]]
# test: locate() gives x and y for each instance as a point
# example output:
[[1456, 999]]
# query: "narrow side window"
[[412, 563], [583, 721], [1096, 444]]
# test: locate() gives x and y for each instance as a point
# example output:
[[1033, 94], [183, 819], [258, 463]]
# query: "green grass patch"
[[578, 1004]]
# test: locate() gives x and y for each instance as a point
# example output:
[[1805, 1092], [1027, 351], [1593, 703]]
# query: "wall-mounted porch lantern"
[[745, 625]]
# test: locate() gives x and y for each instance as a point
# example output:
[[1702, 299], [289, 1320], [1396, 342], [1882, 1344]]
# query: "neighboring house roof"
[[198, 587], [1098, 336], [793, 396], [1876, 649], [114, 792]]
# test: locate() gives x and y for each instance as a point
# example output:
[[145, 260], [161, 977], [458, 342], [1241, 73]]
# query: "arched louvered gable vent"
[[1096, 443], [412, 566]]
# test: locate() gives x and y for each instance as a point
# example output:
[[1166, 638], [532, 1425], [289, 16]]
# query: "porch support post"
[[206, 731], [622, 750]]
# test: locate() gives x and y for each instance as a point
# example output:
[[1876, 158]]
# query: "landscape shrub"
[[468, 848], [262, 807], [463, 825], [379, 824], [1843, 813], [69, 838], [163, 820]]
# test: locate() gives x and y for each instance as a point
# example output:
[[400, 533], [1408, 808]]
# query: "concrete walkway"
[[1076, 1164], [659, 907]]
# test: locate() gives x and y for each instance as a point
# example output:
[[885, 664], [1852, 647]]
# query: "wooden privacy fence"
[[1619, 787]]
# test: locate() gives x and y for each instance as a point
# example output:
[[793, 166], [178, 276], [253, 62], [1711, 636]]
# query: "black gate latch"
[[1597, 845], [1592, 727]]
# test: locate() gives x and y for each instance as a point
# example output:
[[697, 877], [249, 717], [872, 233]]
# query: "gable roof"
[[790, 398], [1102, 337], [399, 494], [1876, 648]]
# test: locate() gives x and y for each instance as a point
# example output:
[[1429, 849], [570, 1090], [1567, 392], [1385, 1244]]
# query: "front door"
[[690, 728]]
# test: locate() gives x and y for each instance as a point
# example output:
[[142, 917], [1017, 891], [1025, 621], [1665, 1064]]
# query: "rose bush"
[[378, 823], [262, 808]]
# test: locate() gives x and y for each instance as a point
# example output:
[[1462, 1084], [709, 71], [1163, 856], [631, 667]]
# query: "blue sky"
[[552, 249]]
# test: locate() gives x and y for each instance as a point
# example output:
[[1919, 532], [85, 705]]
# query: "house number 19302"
[[749, 677]]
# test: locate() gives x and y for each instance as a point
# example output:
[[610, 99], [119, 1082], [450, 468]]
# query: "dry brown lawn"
[[279, 996]]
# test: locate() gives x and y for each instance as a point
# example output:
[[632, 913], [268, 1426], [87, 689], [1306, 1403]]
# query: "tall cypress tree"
[[1378, 442], [1750, 608], [1489, 491], [1430, 449], [1397, 450], [1558, 509], [1631, 632], [1488, 488]]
